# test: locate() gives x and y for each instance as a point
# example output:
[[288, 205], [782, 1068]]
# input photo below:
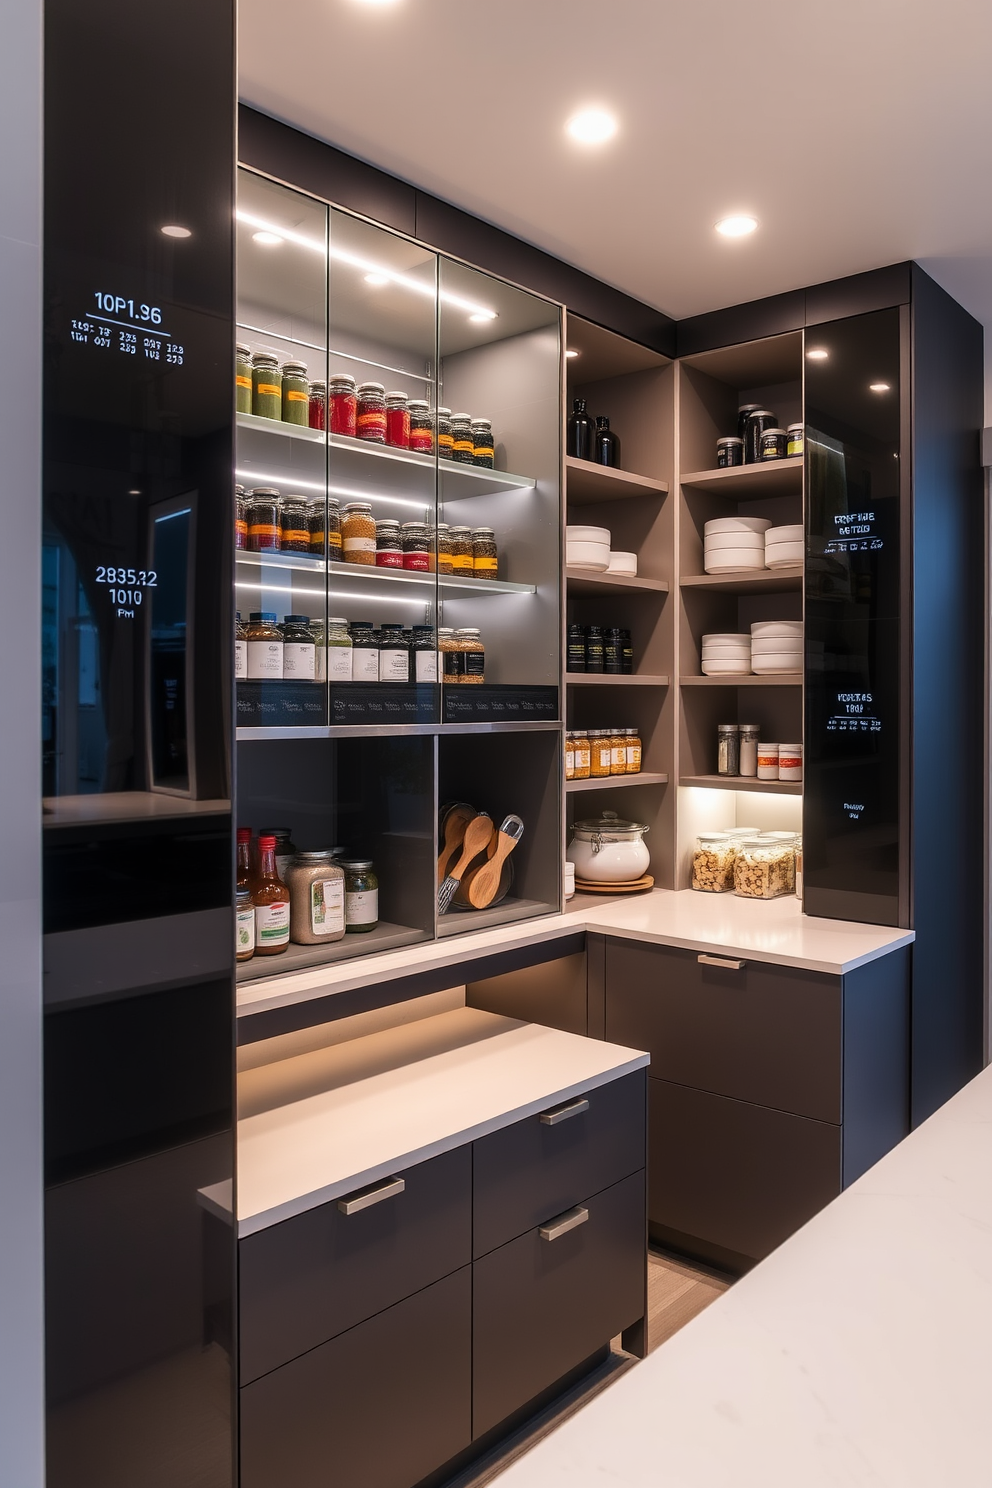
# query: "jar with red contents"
[[397, 421], [318, 405], [371, 420], [342, 411], [416, 547], [240, 518], [388, 547], [421, 426]]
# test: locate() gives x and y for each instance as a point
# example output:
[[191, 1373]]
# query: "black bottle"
[[607, 445], [580, 433], [576, 650], [613, 652], [594, 649]]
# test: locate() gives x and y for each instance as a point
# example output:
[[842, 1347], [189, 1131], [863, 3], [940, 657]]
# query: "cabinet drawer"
[[541, 1306], [310, 1277], [538, 1166], [380, 1406], [767, 1034], [730, 1181]]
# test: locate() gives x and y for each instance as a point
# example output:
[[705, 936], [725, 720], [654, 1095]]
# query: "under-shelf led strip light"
[[259, 477]]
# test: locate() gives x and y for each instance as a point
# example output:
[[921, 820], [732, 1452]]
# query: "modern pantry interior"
[[509, 715]]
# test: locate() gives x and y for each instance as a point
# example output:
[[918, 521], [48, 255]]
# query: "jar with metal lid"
[[595, 649], [795, 439], [750, 734], [445, 438], [371, 416], [364, 653], [316, 898], [295, 394], [609, 849], [264, 525], [713, 861], [397, 421], [342, 405], [416, 547], [423, 653], [583, 753], [764, 868], [483, 448], [340, 650], [569, 756], [320, 649], [757, 422], [575, 648], [388, 547], [242, 379], [358, 534], [333, 528], [317, 406], [421, 426], [635, 751], [394, 655], [317, 525], [240, 648], [728, 749], [361, 895], [264, 647], [462, 443], [774, 444], [469, 641], [452, 656], [266, 385], [618, 752], [299, 658], [244, 925], [445, 561], [462, 553], [612, 652], [294, 524], [485, 555], [729, 452], [601, 742], [240, 518]]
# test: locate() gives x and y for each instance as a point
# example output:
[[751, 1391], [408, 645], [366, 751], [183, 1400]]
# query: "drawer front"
[[538, 1167], [309, 1278], [380, 1406], [767, 1034], [730, 1181], [543, 1305]]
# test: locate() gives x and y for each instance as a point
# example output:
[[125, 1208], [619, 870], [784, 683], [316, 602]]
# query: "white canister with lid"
[[608, 849], [790, 762], [767, 761]]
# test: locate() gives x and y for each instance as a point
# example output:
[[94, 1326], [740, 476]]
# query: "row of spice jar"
[[363, 410], [741, 752], [597, 753], [599, 648], [301, 649], [754, 865], [309, 898], [759, 438]]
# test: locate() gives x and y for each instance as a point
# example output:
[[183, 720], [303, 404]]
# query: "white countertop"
[[324, 1123], [858, 1354]]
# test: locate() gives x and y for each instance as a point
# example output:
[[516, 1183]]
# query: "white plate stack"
[[734, 544], [726, 655], [784, 546], [776, 646]]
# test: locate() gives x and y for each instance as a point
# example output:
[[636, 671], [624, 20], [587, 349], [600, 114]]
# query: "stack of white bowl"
[[776, 646], [784, 546], [726, 655], [588, 548], [734, 544]]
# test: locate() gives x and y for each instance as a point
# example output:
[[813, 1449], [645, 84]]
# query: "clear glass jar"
[[601, 741], [316, 898], [244, 925], [634, 751], [483, 450], [342, 405], [295, 394], [388, 547], [750, 734], [340, 650], [265, 645], [394, 655], [713, 861], [317, 406], [294, 524], [728, 749], [299, 656], [335, 552], [445, 562], [240, 648], [364, 652], [582, 746], [485, 555], [421, 426], [317, 526], [242, 379], [416, 547], [462, 443], [569, 757], [469, 642], [358, 534], [445, 438], [452, 657], [264, 524], [462, 556], [371, 419], [765, 868], [240, 518], [423, 652], [266, 385], [320, 649], [618, 752], [397, 421], [361, 895]]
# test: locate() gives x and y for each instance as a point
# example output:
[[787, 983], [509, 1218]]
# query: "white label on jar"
[[299, 661], [327, 906], [359, 545], [426, 666], [320, 665], [339, 663], [618, 757], [244, 933], [264, 660], [394, 666], [569, 762], [272, 924], [240, 660], [364, 664], [362, 908]]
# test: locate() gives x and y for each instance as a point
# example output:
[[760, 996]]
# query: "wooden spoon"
[[476, 840], [455, 823], [485, 880]]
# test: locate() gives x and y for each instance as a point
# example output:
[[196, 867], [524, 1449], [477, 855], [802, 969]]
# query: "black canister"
[[595, 660], [575, 652], [757, 422], [628, 654], [744, 412], [774, 444], [729, 451], [579, 434], [613, 652]]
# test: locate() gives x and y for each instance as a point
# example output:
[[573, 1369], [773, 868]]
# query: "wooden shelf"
[[760, 581], [611, 782], [778, 679], [600, 679], [587, 483], [744, 482], [744, 783], [581, 582]]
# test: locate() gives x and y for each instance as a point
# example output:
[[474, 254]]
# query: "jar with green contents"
[[361, 896], [242, 379], [266, 385], [244, 922], [295, 394]]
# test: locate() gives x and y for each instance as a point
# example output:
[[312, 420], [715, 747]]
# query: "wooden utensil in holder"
[[483, 885], [477, 837]]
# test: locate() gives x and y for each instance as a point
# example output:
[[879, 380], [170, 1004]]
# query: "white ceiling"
[[858, 132]]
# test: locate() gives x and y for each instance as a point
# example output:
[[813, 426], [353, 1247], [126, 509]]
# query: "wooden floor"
[[677, 1291]]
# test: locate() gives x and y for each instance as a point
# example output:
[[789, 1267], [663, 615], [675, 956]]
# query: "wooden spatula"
[[455, 823], [476, 840], [485, 880]]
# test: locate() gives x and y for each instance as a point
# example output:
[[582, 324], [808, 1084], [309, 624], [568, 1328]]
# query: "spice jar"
[[388, 548], [340, 649], [266, 385], [431, 547], [316, 525], [240, 518], [728, 749], [445, 438], [295, 394], [423, 650], [270, 898], [729, 452], [342, 405], [713, 861], [635, 751], [485, 557], [462, 442], [758, 420], [242, 379], [333, 528], [240, 648], [244, 926], [358, 534], [774, 444], [364, 652], [445, 561], [575, 649], [618, 752], [294, 524], [790, 762], [794, 439], [299, 655], [397, 420], [371, 420], [612, 652], [317, 406], [264, 527], [394, 655], [361, 895], [764, 868], [265, 643], [583, 753], [595, 651], [750, 734], [601, 759], [483, 450], [767, 761], [569, 757], [451, 654], [462, 552], [316, 898], [470, 643], [416, 547], [421, 426]]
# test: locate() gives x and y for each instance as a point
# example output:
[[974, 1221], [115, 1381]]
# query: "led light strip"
[[292, 484]]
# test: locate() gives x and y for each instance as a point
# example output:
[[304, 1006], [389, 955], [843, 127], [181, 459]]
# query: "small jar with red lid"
[[421, 426], [318, 405], [397, 421], [342, 405], [371, 420], [388, 546]]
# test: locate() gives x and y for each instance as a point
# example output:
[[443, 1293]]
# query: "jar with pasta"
[[358, 534], [713, 860], [764, 869]]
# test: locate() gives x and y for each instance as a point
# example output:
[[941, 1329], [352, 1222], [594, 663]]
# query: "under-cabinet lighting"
[[591, 126], [266, 478], [880, 387], [739, 225], [173, 230], [817, 354], [571, 353]]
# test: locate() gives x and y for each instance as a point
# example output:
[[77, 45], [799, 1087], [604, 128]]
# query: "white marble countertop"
[[324, 1123], [858, 1354]]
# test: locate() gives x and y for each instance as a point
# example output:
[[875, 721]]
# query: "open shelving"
[[617, 782]]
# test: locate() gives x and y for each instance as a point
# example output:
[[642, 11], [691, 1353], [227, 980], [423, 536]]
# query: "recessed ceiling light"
[[134, 493], [591, 126], [818, 354], [172, 231], [482, 317], [571, 353], [737, 226], [378, 280], [267, 239], [879, 387]]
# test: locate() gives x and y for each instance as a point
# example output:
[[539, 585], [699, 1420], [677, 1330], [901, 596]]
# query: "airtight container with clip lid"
[[607, 849]]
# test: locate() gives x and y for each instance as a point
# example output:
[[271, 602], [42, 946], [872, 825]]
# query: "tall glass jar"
[[335, 552], [463, 445], [317, 525], [388, 547], [361, 895], [635, 751], [242, 379], [469, 640], [294, 524], [365, 652], [416, 546], [483, 450], [452, 657], [240, 648], [485, 556], [394, 655], [266, 385], [317, 406], [240, 518], [316, 898], [340, 650], [462, 552], [445, 439], [397, 421], [371, 422], [358, 534], [423, 652], [264, 523], [295, 394], [445, 562], [265, 645], [582, 746], [299, 654], [421, 427], [342, 398]]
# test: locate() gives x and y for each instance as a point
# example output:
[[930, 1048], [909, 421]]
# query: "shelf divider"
[[587, 483]]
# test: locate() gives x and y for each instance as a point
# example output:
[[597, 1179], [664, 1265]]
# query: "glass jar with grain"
[[295, 394], [358, 534], [316, 898], [485, 556]]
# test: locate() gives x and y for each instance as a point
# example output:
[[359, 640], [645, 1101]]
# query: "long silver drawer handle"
[[387, 1190], [562, 1113], [570, 1220], [724, 961]]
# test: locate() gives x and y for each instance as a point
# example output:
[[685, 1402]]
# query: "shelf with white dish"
[[749, 581], [769, 679], [348, 574]]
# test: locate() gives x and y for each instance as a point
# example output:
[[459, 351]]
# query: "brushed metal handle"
[[725, 961], [364, 1199], [562, 1113], [570, 1220]]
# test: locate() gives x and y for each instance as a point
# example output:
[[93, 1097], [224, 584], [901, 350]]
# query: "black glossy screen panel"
[[851, 817]]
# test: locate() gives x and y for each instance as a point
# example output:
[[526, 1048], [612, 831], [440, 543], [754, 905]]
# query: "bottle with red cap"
[[243, 869], [271, 899]]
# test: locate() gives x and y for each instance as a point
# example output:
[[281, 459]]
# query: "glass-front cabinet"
[[397, 580]]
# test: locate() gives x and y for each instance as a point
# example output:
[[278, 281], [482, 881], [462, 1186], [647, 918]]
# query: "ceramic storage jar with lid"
[[608, 849]]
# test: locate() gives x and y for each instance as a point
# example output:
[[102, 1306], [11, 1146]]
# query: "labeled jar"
[[595, 649], [601, 741], [244, 925], [774, 444], [416, 541], [397, 421], [242, 379], [361, 895], [462, 553], [294, 524], [317, 406], [462, 442], [713, 859], [767, 761], [264, 527], [445, 562], [728, 749], [764, 868], [370, 423], [635, 751], [317, 525], [452, 656], [485, 555], [790, 762], [423, 651], [628, 653], [612, 652], [469, 640], [445, 438], [270, 898], [569, 757], [388, 548], [358, 534], [795, 441], [342, 405], [364, 652], [750, 734], [265, 647], [299, 655], [340, 650], [618, 752], [582, 746], [394, 655], [483, 448], [335, 552], [320, 649], [575, 649], [266, 385], [240, 649], [729, 452], [295, 394], [240, 518], [758, 421], [421, 426], [316, 898]]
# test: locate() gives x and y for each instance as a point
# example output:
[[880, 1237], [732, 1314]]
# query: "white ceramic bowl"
[[623, 563], [719, 655], [728, 637], [784, 534], [725, 667], [791, 642], [737, 524], [589, 555], [715, 540], [734, 560], [762, 628], [783, 555], [588, 534], [777, 661]]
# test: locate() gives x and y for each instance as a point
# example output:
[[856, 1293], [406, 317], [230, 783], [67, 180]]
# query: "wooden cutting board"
[[632, 886]]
